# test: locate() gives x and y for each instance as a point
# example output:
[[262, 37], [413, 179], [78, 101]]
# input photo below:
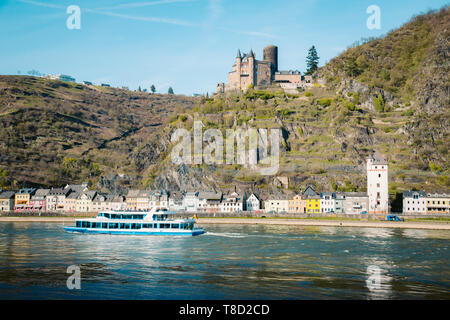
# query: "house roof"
[[309, 192], [7, 194], [73, 195], [176, 196], [355, 194], [254, 194], [210, 195], [59, 191], [90, 194], [118, 199], [42, 192], [438, 195], [27, 190], [144, 194], [77, 187], [133, 193], [409, 194]]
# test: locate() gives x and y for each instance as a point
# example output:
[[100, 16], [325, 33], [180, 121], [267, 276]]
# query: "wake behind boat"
[[137, 223]]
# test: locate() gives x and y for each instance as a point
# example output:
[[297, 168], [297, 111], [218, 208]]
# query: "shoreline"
[[268, 221], [330, 223]]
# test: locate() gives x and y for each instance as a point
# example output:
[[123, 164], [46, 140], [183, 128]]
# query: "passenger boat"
[[161, 222]]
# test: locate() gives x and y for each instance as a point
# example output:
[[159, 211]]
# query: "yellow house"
[[313, 204], [438, 203], [22, 199], [131, 199]]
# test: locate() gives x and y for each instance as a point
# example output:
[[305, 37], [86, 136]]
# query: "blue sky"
[[187, 44]]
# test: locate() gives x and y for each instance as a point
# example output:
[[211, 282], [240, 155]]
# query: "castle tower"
[[238, 62], [251, 68], [271, 55], [377, 184]]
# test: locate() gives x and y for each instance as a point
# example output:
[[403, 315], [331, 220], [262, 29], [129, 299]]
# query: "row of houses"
[[420, 202], [70, 198], [78, 198]]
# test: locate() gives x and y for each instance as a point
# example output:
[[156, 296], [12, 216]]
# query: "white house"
[[414, 202], [190, 201], [158, 199], [209, 201], [176, 201], [377, 184], [118, 203], [85, 200], [6, 201], [101, 202], [233, 202], [356, 202], [278, 204], [339, 203], [253, 203], [327, 202], [56, 199]]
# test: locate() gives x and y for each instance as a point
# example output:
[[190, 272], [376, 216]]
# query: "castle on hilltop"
[[247, 71]]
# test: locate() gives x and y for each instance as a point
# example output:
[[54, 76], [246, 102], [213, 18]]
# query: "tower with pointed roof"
[[377, 184]]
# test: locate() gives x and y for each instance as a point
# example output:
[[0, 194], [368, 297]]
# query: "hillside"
[[390, 94], [54, 132]]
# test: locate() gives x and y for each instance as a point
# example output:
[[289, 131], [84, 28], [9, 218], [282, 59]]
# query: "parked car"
[[363, 212], [394, 218]]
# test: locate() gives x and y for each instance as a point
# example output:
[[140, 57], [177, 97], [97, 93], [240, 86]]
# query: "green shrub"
[[324, 102], [435, 168], [378, 103]]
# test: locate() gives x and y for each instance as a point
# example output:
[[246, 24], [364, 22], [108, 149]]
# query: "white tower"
[[377, 184]]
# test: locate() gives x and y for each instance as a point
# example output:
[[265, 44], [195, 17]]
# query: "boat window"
[[113, 216], [155, 225], [107, 215], [78, 224], [104, 225], [175, 226]]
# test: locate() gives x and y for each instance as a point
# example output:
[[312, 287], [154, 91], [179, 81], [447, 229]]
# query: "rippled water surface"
[[228, 262]]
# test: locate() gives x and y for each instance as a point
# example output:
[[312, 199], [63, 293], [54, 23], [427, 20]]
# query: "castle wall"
[[292, 78]]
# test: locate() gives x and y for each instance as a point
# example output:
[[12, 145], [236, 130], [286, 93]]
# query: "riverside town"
[[73, 198]]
